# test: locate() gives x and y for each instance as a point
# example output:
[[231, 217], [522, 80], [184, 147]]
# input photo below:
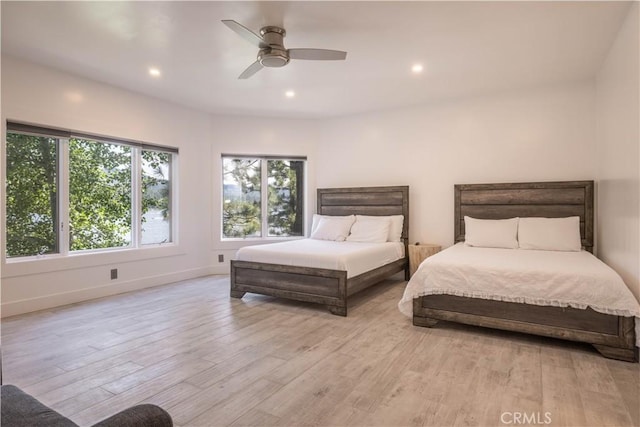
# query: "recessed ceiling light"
[[289, 94], [74, 96], [154, 72], [417, 68]]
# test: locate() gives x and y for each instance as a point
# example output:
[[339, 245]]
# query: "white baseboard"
[[220, 269], [56, 300]]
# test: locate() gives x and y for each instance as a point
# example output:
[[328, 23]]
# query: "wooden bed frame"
[[612, 336], [324, 286]]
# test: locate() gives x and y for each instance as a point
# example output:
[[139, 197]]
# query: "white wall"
[[39, 95], [535, 135], [44, 96], [618, 154]]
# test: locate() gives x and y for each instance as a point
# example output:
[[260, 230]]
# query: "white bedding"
[[551, 278], [354, 257]]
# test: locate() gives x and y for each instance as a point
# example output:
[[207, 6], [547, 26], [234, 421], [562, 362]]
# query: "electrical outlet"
[[220, 258], [114, 273]]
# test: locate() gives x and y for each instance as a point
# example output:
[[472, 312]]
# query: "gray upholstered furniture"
[[22, 410]]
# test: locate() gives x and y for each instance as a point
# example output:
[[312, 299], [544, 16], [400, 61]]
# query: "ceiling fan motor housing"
[[272, 52], [275, 55], [270, 57]]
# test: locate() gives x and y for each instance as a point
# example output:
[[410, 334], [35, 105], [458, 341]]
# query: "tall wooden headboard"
[[366, 201], [526, 199]]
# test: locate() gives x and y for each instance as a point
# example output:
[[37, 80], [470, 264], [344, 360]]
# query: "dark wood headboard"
[[526, 199], [366, 201]]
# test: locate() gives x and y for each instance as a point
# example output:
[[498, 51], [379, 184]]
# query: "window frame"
[[264, 197], [67, 193], [63, 203], [172, 172]]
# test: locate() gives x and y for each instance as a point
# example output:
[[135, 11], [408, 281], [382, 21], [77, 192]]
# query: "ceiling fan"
[[272, 52]]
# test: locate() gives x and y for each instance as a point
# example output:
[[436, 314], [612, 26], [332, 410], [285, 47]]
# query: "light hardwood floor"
[[211, 360]]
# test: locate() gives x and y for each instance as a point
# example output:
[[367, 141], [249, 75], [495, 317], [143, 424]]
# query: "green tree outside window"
[[100, 189], [243, 207]]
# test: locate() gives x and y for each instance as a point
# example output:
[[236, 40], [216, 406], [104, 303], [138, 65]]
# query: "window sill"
[[50, 263]]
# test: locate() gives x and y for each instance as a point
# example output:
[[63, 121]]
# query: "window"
[[262, 197], [31, 195], [99, 195], [156, 197], [68, 192]]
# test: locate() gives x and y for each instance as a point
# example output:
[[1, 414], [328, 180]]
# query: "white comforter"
[[354, 257], [560, 279]]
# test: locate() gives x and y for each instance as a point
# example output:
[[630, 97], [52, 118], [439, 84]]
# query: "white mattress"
[[354, 257], [561, 279]]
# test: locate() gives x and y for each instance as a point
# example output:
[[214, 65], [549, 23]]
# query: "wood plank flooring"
[[214, 361]]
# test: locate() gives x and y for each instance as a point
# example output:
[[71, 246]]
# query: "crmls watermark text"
[[516, 418]]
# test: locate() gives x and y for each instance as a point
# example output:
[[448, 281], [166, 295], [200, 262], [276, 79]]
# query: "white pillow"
[[395, 226], [316, 220], [369, 230], [333, 228], [491, 233], [550, 234]]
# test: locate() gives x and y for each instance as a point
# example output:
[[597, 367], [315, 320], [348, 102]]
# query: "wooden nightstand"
[[418, 253]]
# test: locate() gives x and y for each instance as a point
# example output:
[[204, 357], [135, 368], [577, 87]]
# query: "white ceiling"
[[467, 48]]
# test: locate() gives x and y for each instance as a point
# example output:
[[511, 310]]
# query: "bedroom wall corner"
[[618, 154], [256, 136], [41, 95]]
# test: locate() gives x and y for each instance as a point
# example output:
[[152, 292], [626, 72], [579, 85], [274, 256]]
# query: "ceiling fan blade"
[[251, 70], [245, 33], [317, 54]]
